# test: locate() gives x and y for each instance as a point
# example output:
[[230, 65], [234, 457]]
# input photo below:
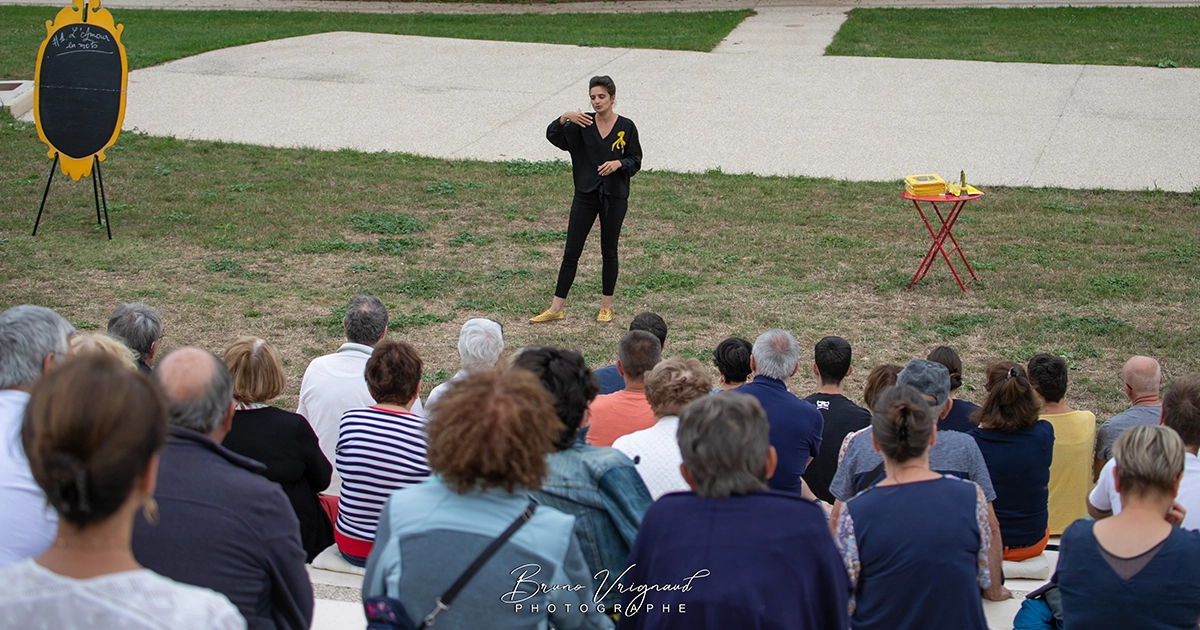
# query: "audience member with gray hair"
[[480, 346], [222, 525], [33, 341], [140, 328], [335, 383], [1142, 377], [796, 425], [758, 546], [625, 411]]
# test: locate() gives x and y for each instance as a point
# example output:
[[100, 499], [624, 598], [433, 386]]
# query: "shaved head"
[[1142, 375]]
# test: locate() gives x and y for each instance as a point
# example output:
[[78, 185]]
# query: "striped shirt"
[[378, 452]]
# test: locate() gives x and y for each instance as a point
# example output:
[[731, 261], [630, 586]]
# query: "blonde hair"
[[99, 343], [255, 370], [1149, 460], [674, 383]]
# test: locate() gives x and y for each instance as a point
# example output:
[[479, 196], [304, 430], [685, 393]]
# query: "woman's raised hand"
[[577, 117]]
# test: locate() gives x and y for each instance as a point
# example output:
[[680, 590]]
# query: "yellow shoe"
[[546, 316], [605, 315]]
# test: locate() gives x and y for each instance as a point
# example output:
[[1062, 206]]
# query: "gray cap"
[[928, 378]]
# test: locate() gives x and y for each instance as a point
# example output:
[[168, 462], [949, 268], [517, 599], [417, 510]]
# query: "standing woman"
[[605, 153]]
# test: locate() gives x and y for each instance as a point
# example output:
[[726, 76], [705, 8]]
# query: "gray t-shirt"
[[1108, 432], [954, 453]]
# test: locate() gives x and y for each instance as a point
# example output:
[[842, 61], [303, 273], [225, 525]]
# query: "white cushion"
[[1035, 568], [331, 560]]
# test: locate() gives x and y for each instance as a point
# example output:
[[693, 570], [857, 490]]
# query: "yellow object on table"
[[924, 185]]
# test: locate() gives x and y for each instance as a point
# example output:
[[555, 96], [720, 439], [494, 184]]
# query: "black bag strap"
[[871, 477], [443, 602]]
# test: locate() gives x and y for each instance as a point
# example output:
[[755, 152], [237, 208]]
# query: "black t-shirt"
[[842, 417]]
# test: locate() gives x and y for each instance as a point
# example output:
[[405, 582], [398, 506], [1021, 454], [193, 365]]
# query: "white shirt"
[[27, 522], [332, 385], [35, 598], [655, 452], [1105, 497], [441, 389]]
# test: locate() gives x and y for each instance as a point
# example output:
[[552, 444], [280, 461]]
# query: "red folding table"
[[943, 233]]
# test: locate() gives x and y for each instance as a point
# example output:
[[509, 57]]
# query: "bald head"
[[198, 389], [1142, 375]]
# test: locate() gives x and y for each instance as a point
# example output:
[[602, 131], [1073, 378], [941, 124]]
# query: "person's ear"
[[49, 362], [874, 444], [816, 371], [933, 437], [1162, 417], [687, 475], [381, 337], [753, 368], [794, 370], [772, 462], [153, 351], [849, 371], [150, 476], [1116, 480], [587, 418], [620, 370], [1175, 486], [227, 421], [946, 406]]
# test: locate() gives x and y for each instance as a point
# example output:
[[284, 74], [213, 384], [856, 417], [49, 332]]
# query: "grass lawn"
[[227, 240], [156, 36], [1117, 36]]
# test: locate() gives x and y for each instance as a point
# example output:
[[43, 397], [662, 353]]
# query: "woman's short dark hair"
[[1011, 403], [902, 423], [492, 429], [605, 82], [732, 358], [89, 430], [571, 384], [1048, 373], [949, 358], [393, 373], [880, 378]]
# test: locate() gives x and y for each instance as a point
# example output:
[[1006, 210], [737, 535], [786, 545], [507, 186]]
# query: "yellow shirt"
[[1071, 470]]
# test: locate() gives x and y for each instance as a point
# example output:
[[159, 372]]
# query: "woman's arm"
[[317, 469], [632, 162], [556, 132]]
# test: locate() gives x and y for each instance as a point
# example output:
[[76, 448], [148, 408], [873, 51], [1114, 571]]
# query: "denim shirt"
[[605, 493]]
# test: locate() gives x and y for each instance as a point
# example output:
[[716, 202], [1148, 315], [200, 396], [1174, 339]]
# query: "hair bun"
[[68, 479]]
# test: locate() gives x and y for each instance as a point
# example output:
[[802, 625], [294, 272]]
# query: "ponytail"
[[1012, 403]]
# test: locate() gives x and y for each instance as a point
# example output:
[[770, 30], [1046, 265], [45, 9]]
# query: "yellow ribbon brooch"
[[620, 143]]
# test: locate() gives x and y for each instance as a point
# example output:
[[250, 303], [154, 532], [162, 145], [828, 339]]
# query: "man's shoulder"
[[955, 444], [1141, 414]]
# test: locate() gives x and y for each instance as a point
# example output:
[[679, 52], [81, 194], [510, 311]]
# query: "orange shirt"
[[616, 414]]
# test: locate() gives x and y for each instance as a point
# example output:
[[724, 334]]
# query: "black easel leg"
[[95, 190], [103, 201], [53, 167]]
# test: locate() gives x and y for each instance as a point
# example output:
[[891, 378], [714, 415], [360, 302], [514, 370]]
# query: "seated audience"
[[334, 383], [140, 329], [732, 358], [281, 440], [915, 544], [608, 376], [1134, 570], [959, 416], [480, 345], [1142, 377], [625, 411], [88, 344], [880, 378], [1018, 449], [381, 448], [1181, 412], [487, 445], [33, 341], [1074, 439], [655, 451], [600, 487], [223, 525], [796, 425], [96, 459], [953, 453], [831, 365], [766, 558]]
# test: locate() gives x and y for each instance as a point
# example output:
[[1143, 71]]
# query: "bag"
[[1041, 610], [388, 613]]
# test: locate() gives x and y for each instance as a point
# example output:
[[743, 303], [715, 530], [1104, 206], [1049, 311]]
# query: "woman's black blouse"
[[588, 151]]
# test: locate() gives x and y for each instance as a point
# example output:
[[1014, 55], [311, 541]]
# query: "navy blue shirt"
[[610, 379], [959, 417], [770, 564], [1163, 594], [1019, 464], [796, 428]]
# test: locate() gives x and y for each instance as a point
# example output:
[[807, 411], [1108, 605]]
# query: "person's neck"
[[99, 549], [833, 390], [1146, 400], [607, 116], [1144, 510], [907, 472], [392, 407], [1055, 408], [728, 386], [635, 386]]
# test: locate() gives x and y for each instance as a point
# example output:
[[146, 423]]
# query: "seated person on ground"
[[915, 544], [1181, 412], [880, 378], [599, 486], [140, 329], [281, 440], [480, 346], [487, 446], [625, 411], [609, 378], [672, 384], [831, 365], [381, 448], [1018, 449], [1142, 377], [732, 358], [1135, 569], [762, 558], [1074, 440], [959, 416], [96, 457]]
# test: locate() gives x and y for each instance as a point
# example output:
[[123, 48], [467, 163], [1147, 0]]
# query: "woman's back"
[[1019, 464], [35, 597], [378, 451], [917, 554]]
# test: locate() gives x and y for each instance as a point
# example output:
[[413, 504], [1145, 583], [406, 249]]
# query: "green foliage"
[[543, 167], [533, 237], [951, 326], [398, 246], [466, 238], [386, 223]]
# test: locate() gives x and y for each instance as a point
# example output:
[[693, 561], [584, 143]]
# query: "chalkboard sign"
[[79, 86]]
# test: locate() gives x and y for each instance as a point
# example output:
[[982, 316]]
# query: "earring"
[[150, 511]]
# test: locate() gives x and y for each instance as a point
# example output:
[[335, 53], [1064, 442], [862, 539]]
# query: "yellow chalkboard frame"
[[79, 167]]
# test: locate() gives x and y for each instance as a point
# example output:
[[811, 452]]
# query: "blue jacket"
[[605, 493], [428, 535], [796, 428]]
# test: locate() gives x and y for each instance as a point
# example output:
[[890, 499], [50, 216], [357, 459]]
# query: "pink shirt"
[[616, 414]]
